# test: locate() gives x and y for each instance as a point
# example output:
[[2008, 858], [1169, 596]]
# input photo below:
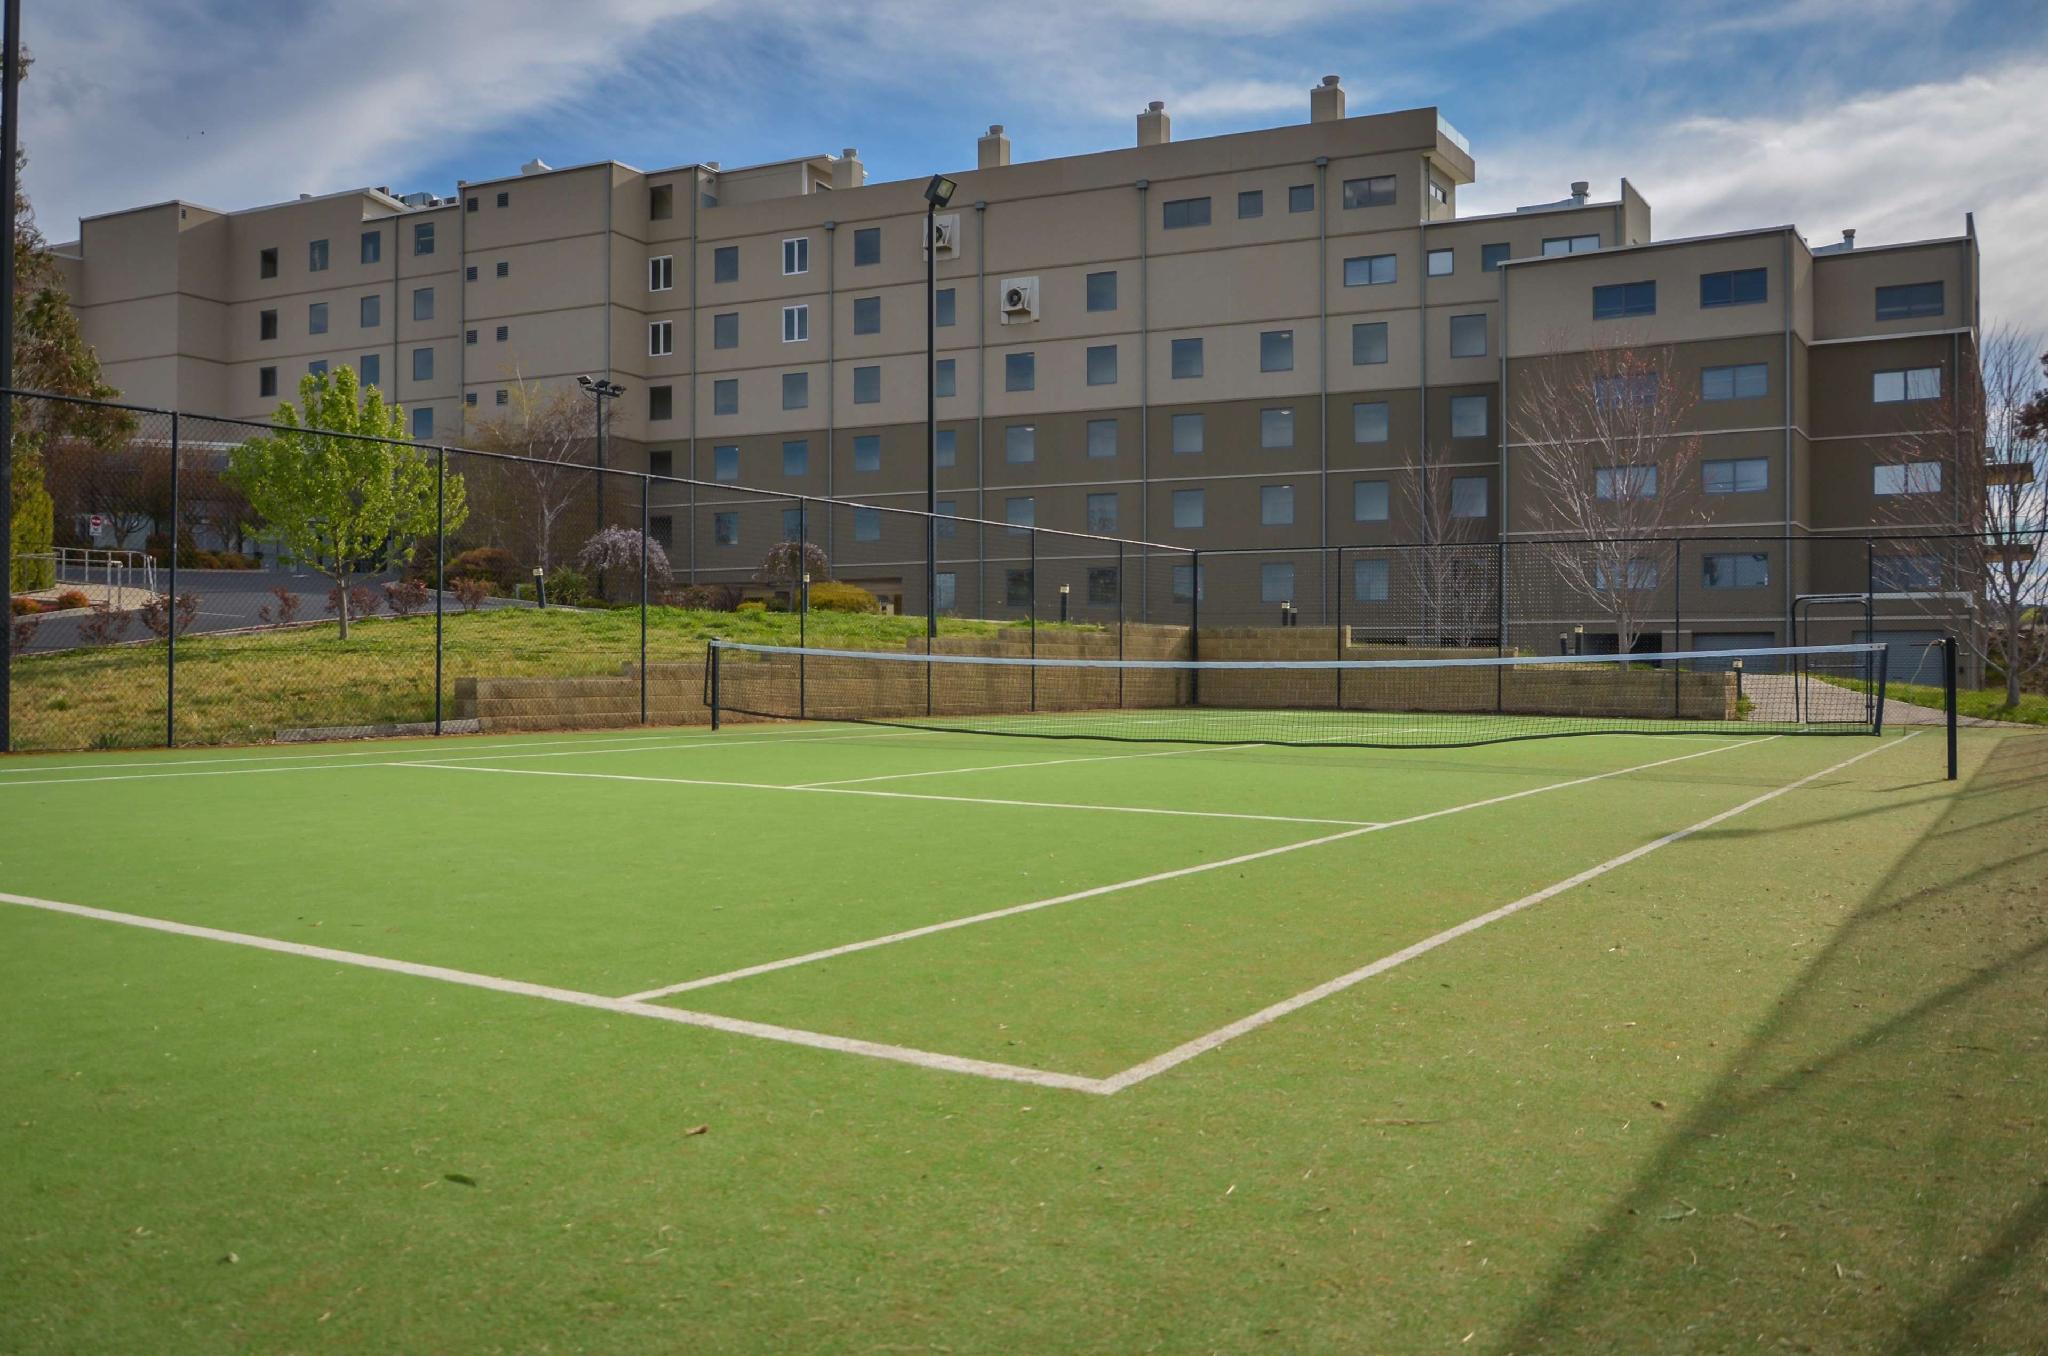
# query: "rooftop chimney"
[[1154, 127], [851, 173], [1326, 101], [1581, 190], [535, 166], [1849, 238], [993, 149]]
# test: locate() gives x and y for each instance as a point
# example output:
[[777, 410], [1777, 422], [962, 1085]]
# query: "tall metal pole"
[[441, 570], [598, 396], [10, 145], [646, 485], [931, 426], [171, 612]]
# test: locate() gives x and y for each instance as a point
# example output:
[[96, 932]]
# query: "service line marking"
[[1044, 762], [929, 929]]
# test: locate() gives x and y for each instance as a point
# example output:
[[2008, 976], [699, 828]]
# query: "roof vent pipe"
[[1849, 237], [1581, 190], [1326, 101], [992, 150], [1154, 127]]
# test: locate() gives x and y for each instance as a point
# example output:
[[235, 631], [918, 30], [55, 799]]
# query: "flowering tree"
[[615, 552], [787, 562]]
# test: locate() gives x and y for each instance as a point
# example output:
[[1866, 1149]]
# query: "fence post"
[[1033, 577], [1195, 626], [171, 613], [1500, 625], [1120, 581], [646, 485], [1677, 622], [1948, 696], [800, 596], [441, 573], [1339, 614]]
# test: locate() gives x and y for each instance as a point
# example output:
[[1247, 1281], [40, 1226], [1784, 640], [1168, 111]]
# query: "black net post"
[[171, 612], [1677, 620], [441, 576], [1948, 697], [1033, 577], [1338, 617], [1195, 625], [646, 485], [1121, 581], [711, 694]]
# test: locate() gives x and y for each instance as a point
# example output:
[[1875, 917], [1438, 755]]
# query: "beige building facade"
[[1277, 339]]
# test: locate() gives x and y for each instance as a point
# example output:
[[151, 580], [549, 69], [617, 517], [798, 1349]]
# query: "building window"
[[1102, 513], [1903, 384], [1189, 432], [1377, 191], [423, 364], [1736, 475], [1102, 364], [1468, 496], [1468, 336], [867, 452], [1441, 263], [1276, 427], [1020, 510], [1468, 416], [945, 379], [1571, 244], [1737, 287], [1913, 477], [503, 333], [469, 336], [867, 524], [661, 401], [661, 273], [1276, 505], [472, 204], [266, 323], [1102, 437], [1744, 381], [1491, 257], [369, 311], [725, 330], [1276, 351], [725, 529], [661, 202], [372, 246], [1103, 583], [423, 237], [1187, 358], [1626, 390], [1369, 420], [946, 594], [947, 447], [662, 527], [316, 256], [422, 421], [1368, 501], [1616, 300], [1439, 193], [504, 200], [317, 368], [1641, 573], [661, 338], [796, 324], [266, 381], [725, 395], [1625, 482], [469, 274], [796, 457], [316, 318], [1908, 300], [1017, 587], [1102, 291], [867, 246], [370, 367], [1369, 581], [1369, 343], [796, 390], [1187, 583], [422, 303], [1184, 212], [1251, 203], [947, 508], [796, 255], [1020, 372], [725, 264], [725, 462], [1020, 443], [503, 396], [469, 397], [1905, 574], [867, 385], [1301, 198], [504, 269], [944, 308], [266, 263], [1276, 582], [1189, 509], [793, 523], [1370, 270], [1735, 570]]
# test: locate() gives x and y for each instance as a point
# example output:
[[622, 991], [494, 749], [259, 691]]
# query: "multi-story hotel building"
[[1252, 340]]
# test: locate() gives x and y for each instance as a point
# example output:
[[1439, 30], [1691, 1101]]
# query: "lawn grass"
[[245, 687], [1775, 1086], [1982, 703]]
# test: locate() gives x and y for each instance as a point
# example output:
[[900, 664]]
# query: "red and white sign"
[[98, 524]]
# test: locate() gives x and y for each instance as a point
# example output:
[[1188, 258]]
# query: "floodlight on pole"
[[937, 193]]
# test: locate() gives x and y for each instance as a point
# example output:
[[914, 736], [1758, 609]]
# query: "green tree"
[[50, 354], [336, 503]]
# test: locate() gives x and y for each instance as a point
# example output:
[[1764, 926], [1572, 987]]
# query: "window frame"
[[1373, 190], [661, 273], [1194, 213], [661, 338], [796, 250]]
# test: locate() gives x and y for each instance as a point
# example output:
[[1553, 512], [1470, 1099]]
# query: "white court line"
[[900, 1054], [1047, 762], [447, 766], [1181, 1054], [1098, 891], [197, 767]]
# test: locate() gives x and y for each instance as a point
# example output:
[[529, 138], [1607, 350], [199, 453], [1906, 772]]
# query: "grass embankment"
[[1981, 703], [245, 687]]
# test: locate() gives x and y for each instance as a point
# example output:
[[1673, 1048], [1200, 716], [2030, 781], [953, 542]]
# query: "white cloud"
[[1900, 165]]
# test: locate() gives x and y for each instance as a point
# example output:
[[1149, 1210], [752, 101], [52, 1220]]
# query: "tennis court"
[[870, 1033]]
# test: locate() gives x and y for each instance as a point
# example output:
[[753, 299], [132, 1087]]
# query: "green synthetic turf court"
[[1016, 1044]]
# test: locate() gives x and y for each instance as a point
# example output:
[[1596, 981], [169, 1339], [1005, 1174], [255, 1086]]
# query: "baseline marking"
[[901, 1054], [849, 948], [1001, 767], [1181, 1054]]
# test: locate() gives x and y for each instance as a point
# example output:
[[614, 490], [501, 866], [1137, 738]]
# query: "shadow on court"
[[1868, 1175]]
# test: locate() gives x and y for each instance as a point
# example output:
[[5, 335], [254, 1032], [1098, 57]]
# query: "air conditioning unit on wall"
[[1019, 300], [947, 231]]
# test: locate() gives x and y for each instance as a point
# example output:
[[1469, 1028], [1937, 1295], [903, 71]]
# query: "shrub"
[[24, 607], [69, 599], [159, 614], [286, 611], [362, 601], [493, 564], [787, 562], [612, 555], [567, 586], [25, 631], [832, 596], [105, 627], [470, 593], [406, 596], [705, 597], [752, 605]]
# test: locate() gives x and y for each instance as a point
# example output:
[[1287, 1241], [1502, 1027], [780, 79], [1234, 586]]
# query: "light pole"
[[600, 389], [937, 194]]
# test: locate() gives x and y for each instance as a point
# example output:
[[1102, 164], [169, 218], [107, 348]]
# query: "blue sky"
[[1891, 117]]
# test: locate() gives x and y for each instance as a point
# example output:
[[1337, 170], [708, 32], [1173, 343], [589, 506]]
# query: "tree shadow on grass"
[[1865, 1173]]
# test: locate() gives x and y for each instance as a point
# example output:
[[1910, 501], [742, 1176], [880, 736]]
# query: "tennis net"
[[1383, 703]]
